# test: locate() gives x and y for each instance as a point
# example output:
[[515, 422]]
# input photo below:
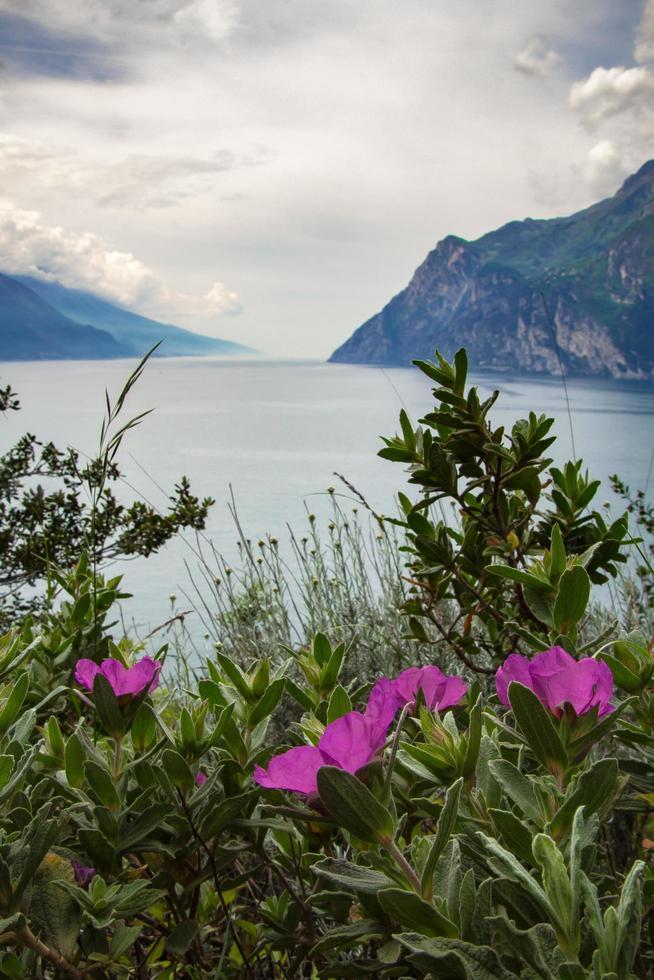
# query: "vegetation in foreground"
[[484, 811]]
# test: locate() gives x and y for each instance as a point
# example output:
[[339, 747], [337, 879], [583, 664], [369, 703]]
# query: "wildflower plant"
[[423, 821]]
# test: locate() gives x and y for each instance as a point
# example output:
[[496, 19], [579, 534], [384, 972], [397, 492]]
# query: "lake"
[[276, 431]]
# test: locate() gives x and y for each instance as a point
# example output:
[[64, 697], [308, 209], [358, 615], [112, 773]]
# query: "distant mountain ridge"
[[138, 332], [31, 329], [583, 284]]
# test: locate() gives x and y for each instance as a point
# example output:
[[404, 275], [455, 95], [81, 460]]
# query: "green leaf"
[[460, 370], [630, 915], [556, 884], [354, 934], [519, 789], [517, 575], [474, 739], [593, 789], [572, 598], [107, 707], [182, 936], [236, 676], [42, 835], [453, 958], [537, 946], [557, 555], [139, 828], [355, 877], [178, 770], [222, 814], [123, 939], [14, 702], [353, 807], [6, 768], [537, 727], [407, 431], [339, 704], [515, 834], [266, 703], [74, 759], [446, 823], [102, 783], [414, 912]]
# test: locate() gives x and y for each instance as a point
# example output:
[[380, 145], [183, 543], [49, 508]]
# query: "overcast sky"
[[272, 171]]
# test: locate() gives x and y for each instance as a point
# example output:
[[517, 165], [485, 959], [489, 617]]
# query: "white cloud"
[[537, 57], [85, 261], [644, 46], [127, 20], [609, 91], [138, 181], [386, 126], [605, 168]]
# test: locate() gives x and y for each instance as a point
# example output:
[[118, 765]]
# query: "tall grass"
[[341, 575]]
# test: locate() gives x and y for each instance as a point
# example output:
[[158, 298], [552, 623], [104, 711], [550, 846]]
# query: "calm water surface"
[[276, 432]]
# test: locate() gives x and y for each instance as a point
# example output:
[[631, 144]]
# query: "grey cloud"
[[644, 46], [537, 57], [141, 181]]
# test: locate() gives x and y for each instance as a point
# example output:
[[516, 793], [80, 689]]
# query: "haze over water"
[[277, 430]]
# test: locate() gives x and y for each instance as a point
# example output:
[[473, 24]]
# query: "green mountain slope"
[[31, 329], [583, 284], [139, 332]]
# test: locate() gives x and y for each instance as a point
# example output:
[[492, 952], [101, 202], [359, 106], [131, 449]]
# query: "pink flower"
[[125, 681], [440, 690], [350, 742], [200, 779], [556, 677]]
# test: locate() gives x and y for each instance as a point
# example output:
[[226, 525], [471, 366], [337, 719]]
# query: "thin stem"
[[118, 752], [391, 761], [402, 863]]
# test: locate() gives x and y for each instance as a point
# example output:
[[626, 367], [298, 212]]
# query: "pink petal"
[[351, 742], [383, 703], [408, 682], [85, 671], [585, 684], [144, 674], [453, 691], [115, 673], [514, 668], [131, 680], [551, 661], [295, 770]]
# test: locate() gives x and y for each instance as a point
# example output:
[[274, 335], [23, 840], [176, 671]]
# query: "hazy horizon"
[[273, 172]]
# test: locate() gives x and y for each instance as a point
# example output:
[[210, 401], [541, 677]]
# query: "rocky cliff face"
[[577, 291]]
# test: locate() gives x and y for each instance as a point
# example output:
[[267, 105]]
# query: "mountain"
[[583, 284], [138, 332], [31, 329]]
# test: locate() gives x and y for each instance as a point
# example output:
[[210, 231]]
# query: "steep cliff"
[[579, 289]]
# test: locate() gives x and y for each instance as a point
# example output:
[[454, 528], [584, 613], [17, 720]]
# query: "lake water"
[[276, 431]]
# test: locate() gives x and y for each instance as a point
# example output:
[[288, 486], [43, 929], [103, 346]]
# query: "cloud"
[[644, 46], [611, 91], [138, 181], [537, 58], [605, 167], [85, 261], [386, 126]]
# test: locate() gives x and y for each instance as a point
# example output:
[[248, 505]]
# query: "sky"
[[272, 171]]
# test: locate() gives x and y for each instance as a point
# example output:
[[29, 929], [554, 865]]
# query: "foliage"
[[520, 561], [53, 506], [505, 837]]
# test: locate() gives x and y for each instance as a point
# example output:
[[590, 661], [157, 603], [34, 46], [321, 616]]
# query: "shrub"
[[416, 826]]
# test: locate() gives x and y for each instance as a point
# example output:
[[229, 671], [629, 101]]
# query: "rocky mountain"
[[31, 329], [519, 298], [139, 333]]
